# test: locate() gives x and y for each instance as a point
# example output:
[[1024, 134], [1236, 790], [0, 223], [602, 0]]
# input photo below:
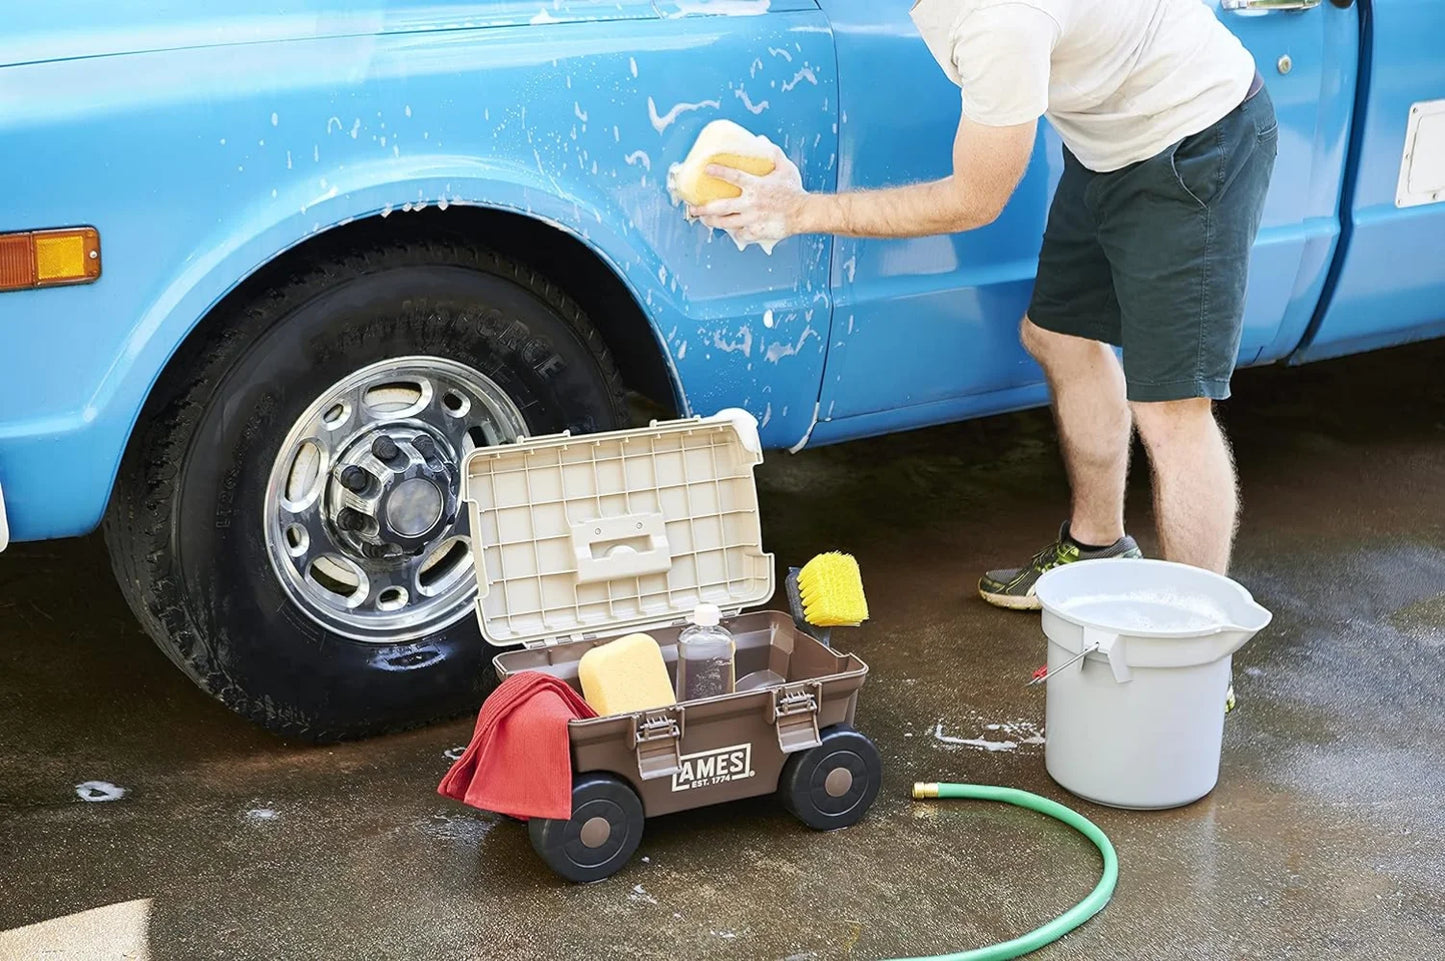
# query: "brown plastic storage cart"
[[579, 540]]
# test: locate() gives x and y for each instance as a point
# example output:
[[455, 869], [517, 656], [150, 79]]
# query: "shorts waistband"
[[1255, 86]]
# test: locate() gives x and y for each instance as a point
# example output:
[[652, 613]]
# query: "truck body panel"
[[1388, 286], [931, 323], [200, 164], [205, 147]]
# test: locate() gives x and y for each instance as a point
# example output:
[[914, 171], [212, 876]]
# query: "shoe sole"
[[1012, 602]]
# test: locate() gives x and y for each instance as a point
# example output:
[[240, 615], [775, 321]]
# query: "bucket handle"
[[1104, 642], [1112, 647], [1044, 674]]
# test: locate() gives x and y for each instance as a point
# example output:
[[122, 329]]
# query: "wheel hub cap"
[[393, 492], [363, 515], [595, 832], [838, 782]]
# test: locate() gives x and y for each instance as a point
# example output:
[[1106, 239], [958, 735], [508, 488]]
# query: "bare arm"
[[988, 163]]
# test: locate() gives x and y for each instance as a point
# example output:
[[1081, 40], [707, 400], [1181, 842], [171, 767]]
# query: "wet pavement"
[[1323, 838]]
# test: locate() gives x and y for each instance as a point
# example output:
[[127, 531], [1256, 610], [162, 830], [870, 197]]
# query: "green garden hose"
[[1064, 923]]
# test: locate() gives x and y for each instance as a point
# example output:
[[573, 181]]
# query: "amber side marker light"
[[49, 258]]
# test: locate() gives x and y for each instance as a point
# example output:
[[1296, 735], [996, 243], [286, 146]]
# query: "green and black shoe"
[[1014, 588]]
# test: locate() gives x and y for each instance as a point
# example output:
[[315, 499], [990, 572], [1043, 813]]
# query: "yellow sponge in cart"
[[625, 675]]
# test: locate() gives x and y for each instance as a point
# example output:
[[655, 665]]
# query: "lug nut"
[[350, 520], [355, 479], [424, 445], [385, 448]]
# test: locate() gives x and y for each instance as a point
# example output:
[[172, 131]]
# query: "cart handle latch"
[[655, 737], [794, 711]]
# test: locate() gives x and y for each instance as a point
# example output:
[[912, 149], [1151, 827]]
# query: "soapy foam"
[[1148, 612], [661, 122], [718, 137], [99, 791], [724, 8]]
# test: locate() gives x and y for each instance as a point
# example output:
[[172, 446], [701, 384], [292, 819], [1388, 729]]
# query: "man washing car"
[[1169, 143]]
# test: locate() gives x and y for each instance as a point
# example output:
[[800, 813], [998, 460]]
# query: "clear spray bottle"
[[705, 656]]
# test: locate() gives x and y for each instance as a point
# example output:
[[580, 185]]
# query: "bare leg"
[[1094, 428], [1196, 497]]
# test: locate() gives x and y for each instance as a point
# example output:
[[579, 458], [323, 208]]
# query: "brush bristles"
[[832, 591]]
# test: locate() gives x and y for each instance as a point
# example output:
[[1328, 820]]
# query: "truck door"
[[1308, 53], [1390, 281], [926, 330], [927, 325]]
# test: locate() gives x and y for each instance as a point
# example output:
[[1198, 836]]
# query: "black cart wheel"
[[834, 784], [602, 834]]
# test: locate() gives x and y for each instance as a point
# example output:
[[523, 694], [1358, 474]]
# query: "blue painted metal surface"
[[932, 323], [920, 322], [200, 163], [1390, 282], [203, 145], [1301, 227]]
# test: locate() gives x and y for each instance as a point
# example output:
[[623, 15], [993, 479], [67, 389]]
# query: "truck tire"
[[286, 522], [832, 785]]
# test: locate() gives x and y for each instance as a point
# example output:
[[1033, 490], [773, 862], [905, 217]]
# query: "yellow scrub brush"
[[830, 591]]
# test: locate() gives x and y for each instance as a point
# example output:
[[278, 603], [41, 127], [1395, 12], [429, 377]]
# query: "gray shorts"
[[1154, 257]]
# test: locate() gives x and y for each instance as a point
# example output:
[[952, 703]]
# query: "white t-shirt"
[[1119, 79]]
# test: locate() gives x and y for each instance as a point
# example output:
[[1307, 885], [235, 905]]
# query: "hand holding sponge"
[[726, 144]]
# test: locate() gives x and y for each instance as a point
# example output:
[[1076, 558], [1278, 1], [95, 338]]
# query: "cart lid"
[[577, 536]]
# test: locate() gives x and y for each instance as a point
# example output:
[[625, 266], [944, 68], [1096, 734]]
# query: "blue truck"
[[271, 269]]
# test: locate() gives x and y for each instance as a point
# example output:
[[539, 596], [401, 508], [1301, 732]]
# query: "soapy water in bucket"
[[1147, 612]]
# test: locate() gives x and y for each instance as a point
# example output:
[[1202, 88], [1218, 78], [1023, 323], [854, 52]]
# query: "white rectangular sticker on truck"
[[1422, 171]]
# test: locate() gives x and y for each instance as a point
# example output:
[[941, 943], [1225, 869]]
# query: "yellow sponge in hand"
[[625, 675], [705, 188], [726, 144], [831, 588]]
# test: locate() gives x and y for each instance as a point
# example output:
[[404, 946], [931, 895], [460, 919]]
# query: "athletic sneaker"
[[1014, 588]]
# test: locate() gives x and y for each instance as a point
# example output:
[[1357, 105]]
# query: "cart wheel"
[[834, 784], [599, 838]]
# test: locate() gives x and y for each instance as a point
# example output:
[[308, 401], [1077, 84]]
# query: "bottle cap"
[[706, 615]]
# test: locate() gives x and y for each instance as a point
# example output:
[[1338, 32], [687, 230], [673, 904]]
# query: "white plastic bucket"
[[1138, 722]]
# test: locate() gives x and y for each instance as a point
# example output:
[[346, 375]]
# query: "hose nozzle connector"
[[922, 790]]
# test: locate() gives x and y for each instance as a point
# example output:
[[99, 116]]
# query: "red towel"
[[519, 761]]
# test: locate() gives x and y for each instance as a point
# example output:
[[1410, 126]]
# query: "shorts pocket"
[[1198, 165], [1262, 115], [1178, 178]]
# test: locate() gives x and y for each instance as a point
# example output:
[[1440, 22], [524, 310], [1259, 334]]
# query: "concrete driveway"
[[1323, 839]]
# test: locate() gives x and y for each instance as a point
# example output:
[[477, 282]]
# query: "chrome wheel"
[[364, 522]]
